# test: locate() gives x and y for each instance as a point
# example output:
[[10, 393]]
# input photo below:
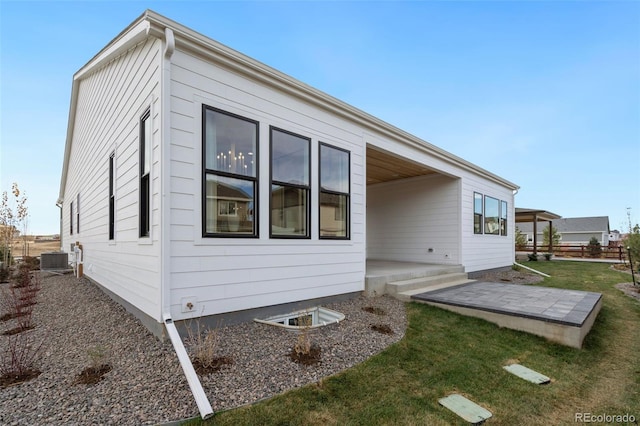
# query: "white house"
[[200, 181]]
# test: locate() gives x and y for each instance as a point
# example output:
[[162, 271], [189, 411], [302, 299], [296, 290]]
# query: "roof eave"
[[129, 37]]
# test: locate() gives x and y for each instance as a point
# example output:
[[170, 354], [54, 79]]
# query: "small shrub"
[[19, 358], [304, 351], [98, 368], [594, 247], [33, 263], [532, 257], [548, 256], [204, 345]]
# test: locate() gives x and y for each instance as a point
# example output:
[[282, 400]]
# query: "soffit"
[[384, 167]]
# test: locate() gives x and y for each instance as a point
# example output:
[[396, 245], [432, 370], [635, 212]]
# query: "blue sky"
[[544, 94]]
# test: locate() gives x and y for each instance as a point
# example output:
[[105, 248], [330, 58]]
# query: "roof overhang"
[[152, 24], [532, 215]]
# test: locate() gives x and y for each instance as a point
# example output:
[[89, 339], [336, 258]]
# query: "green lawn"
[[443, 353]]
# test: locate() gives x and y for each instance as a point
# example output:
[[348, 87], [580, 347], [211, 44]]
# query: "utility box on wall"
[[54, 260]]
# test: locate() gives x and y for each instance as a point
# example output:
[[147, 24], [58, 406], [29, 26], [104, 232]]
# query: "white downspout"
[[532, 270], [190, 373], [204, 406]]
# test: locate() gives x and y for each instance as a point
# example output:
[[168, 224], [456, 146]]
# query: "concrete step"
[[405, 295], [399, 286]]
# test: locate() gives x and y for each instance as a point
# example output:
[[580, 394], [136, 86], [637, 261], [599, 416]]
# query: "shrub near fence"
[[579, 251]]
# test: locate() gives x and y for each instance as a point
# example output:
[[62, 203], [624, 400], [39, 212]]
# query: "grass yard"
[[443, 353]]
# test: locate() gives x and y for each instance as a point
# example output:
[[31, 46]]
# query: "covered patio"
[[535, 216]]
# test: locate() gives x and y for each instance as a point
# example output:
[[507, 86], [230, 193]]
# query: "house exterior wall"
[[230, 274], [110, 103], [475, 252], [406, 218], [480, 251]]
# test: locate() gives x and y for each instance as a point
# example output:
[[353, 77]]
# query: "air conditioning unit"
[[54, 260]]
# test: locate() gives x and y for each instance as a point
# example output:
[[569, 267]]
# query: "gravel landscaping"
[[80, 325]]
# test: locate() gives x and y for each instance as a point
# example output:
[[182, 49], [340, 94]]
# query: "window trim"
[[272, 182], [144, 212], [347, 235], [254, 179], [112, 198]]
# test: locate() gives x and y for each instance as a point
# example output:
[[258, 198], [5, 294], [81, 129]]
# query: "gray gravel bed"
[[146, 384]]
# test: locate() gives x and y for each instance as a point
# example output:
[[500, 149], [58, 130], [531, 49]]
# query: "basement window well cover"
[[304, 318]]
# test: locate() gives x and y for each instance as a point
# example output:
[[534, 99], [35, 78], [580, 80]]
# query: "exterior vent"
[[54, 260]]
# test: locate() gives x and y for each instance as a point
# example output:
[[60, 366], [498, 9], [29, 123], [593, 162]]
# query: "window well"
[[304, 318]]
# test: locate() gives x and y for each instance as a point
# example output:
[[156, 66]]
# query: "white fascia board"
[[131, 36], [187, 39]]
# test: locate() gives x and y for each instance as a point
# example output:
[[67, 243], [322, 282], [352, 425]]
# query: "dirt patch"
[[16, 379], [630, 290], [306, 358], [511, 276], [374, 310], [382, 328], [216, 364], [92, 375]]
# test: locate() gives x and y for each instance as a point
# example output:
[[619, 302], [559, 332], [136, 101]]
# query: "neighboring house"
[[573, 230], [200, 181]]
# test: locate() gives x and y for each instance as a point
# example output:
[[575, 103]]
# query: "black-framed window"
[[335, 192], [478, 209], [78, 213], [290, 184], [112, 200], [145, 172], [230, 174], [491, 215], [503, 218], [71, 218]]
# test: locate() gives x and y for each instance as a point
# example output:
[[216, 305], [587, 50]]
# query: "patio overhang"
[[383, 166], [535, 216]]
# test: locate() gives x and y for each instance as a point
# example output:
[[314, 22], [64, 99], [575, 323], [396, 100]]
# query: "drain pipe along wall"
[[204, 406]]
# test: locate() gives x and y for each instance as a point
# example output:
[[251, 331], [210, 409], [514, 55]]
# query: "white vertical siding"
[[111, 101], [406, 218], [231, 274]]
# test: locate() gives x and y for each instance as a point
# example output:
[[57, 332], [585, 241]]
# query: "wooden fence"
[[584, 251]]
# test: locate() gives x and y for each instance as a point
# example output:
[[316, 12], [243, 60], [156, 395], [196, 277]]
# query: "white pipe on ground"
[[532, 270], [192, 378]]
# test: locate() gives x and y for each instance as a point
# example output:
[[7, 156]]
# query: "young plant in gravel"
[[17, 302], [305, 351], [204, 346], [18, 359], [98, 355], [373, 308]]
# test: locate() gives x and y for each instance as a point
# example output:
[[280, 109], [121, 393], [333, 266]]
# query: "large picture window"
[[145, 172], [478, 210], [334, 192], [230, 162], [489, 215], [290, 184]]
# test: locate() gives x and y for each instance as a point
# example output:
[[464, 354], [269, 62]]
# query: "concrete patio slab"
[[563, 316]]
